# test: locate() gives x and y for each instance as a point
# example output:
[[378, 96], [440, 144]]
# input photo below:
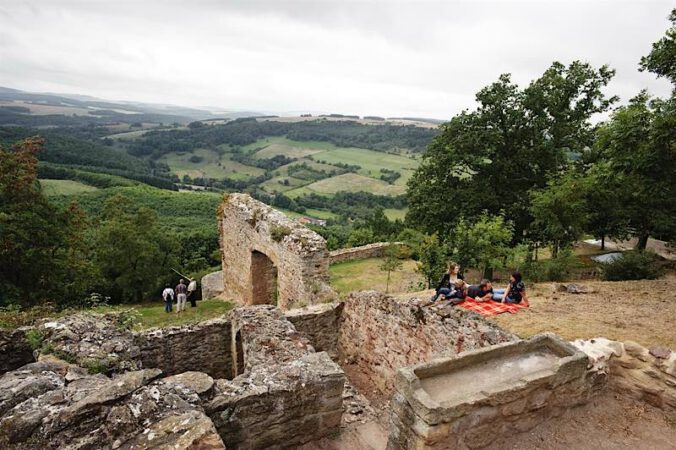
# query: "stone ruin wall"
[[204, 347], [321, 324], [375, 250], [287, 393], [380, 334], [257, 240]]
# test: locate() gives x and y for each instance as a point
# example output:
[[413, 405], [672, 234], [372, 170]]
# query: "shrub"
[[13, 316], [128, 318], [633, 265], [34, 339], [555, 269], [277, 232]]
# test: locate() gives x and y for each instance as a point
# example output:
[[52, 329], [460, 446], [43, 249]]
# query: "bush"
[[34, 339], [278, 232], [633, 265], [555, 269], [13, 316]]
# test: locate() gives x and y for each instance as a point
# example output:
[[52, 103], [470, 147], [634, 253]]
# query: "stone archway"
[[259, 242], [263, 279]]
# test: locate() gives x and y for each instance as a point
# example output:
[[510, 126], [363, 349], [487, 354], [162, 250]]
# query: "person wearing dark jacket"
[[447, 284]]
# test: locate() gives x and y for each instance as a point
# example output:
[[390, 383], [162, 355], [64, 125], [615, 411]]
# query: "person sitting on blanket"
[[481, 292], [448, 281], [514, 293]]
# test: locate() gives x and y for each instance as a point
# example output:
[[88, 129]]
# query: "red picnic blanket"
[[491, 308]]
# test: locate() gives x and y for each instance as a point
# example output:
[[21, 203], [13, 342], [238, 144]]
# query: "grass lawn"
[[365, 274], [153, 316], [64, 187], [291, 151]]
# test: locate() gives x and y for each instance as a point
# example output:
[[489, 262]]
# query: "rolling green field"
[[319, 156], [64, 187], [351, 182], [212, 165], [366, 274]]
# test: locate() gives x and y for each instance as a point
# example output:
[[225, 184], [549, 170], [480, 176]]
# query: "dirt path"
[[642, 311], [607, 422]]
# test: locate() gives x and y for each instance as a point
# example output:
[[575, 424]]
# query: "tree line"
[[530, 160]]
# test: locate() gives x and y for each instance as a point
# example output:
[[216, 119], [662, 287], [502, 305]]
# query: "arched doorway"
[[263, 279]]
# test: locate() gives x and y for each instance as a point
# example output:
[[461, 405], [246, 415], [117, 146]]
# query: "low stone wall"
[[284, 394], [14, 349], [470, 400], [376, 250], [380, 334], [204, 347], [321, 324], [632, 370]]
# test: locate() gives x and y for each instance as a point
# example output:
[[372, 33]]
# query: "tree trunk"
[[642, 241], [387, 284], [555, 250], [488, 273], [603, 242]]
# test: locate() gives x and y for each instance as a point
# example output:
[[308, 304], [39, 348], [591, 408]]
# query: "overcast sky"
[[391, 58]]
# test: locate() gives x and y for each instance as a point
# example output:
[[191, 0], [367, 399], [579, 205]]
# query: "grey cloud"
[[379, 57]]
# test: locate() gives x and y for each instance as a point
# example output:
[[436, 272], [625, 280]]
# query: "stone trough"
[[469, 400]]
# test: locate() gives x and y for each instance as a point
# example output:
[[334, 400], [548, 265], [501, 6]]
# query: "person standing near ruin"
[[181, 291], [168, 296], [192, 293]]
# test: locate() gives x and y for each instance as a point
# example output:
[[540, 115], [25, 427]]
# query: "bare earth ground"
[[642, 311], [609, 421]]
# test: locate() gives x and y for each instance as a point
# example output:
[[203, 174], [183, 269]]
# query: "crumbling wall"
[[375, 250], [321, 323], [204, 347], [14, 349], [634, 371], [251, 231], [380, 334], [285, 394]]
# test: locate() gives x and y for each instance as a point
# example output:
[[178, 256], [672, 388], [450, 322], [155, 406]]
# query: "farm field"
[[64, 187], [394, 214], [370, 161], [181, 165], [350, 182]]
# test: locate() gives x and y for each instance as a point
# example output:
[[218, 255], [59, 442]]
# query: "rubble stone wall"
[[321, 324], [14, 349], [285, 394], [375, 250], [380, 334], [299, 255], [203, 347], [634, 371]]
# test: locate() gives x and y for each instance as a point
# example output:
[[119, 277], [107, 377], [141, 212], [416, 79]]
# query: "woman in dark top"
[[516, 290], [448, 281]]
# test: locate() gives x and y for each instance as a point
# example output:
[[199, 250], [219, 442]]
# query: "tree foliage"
[[491, 158], [483, 242]]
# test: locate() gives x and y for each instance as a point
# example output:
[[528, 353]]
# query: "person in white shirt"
[[192, 293], [168, 296]]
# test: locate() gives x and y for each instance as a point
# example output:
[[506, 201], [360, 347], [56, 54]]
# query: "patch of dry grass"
[[641, 311]]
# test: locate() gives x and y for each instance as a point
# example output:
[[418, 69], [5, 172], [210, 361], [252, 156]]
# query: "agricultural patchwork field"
[[326, 169]]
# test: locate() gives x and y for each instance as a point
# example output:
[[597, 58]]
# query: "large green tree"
[[662, 58], [40, 245], [482, 243], [560, 211], [135, 255], [491, 158], [638, 147]]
